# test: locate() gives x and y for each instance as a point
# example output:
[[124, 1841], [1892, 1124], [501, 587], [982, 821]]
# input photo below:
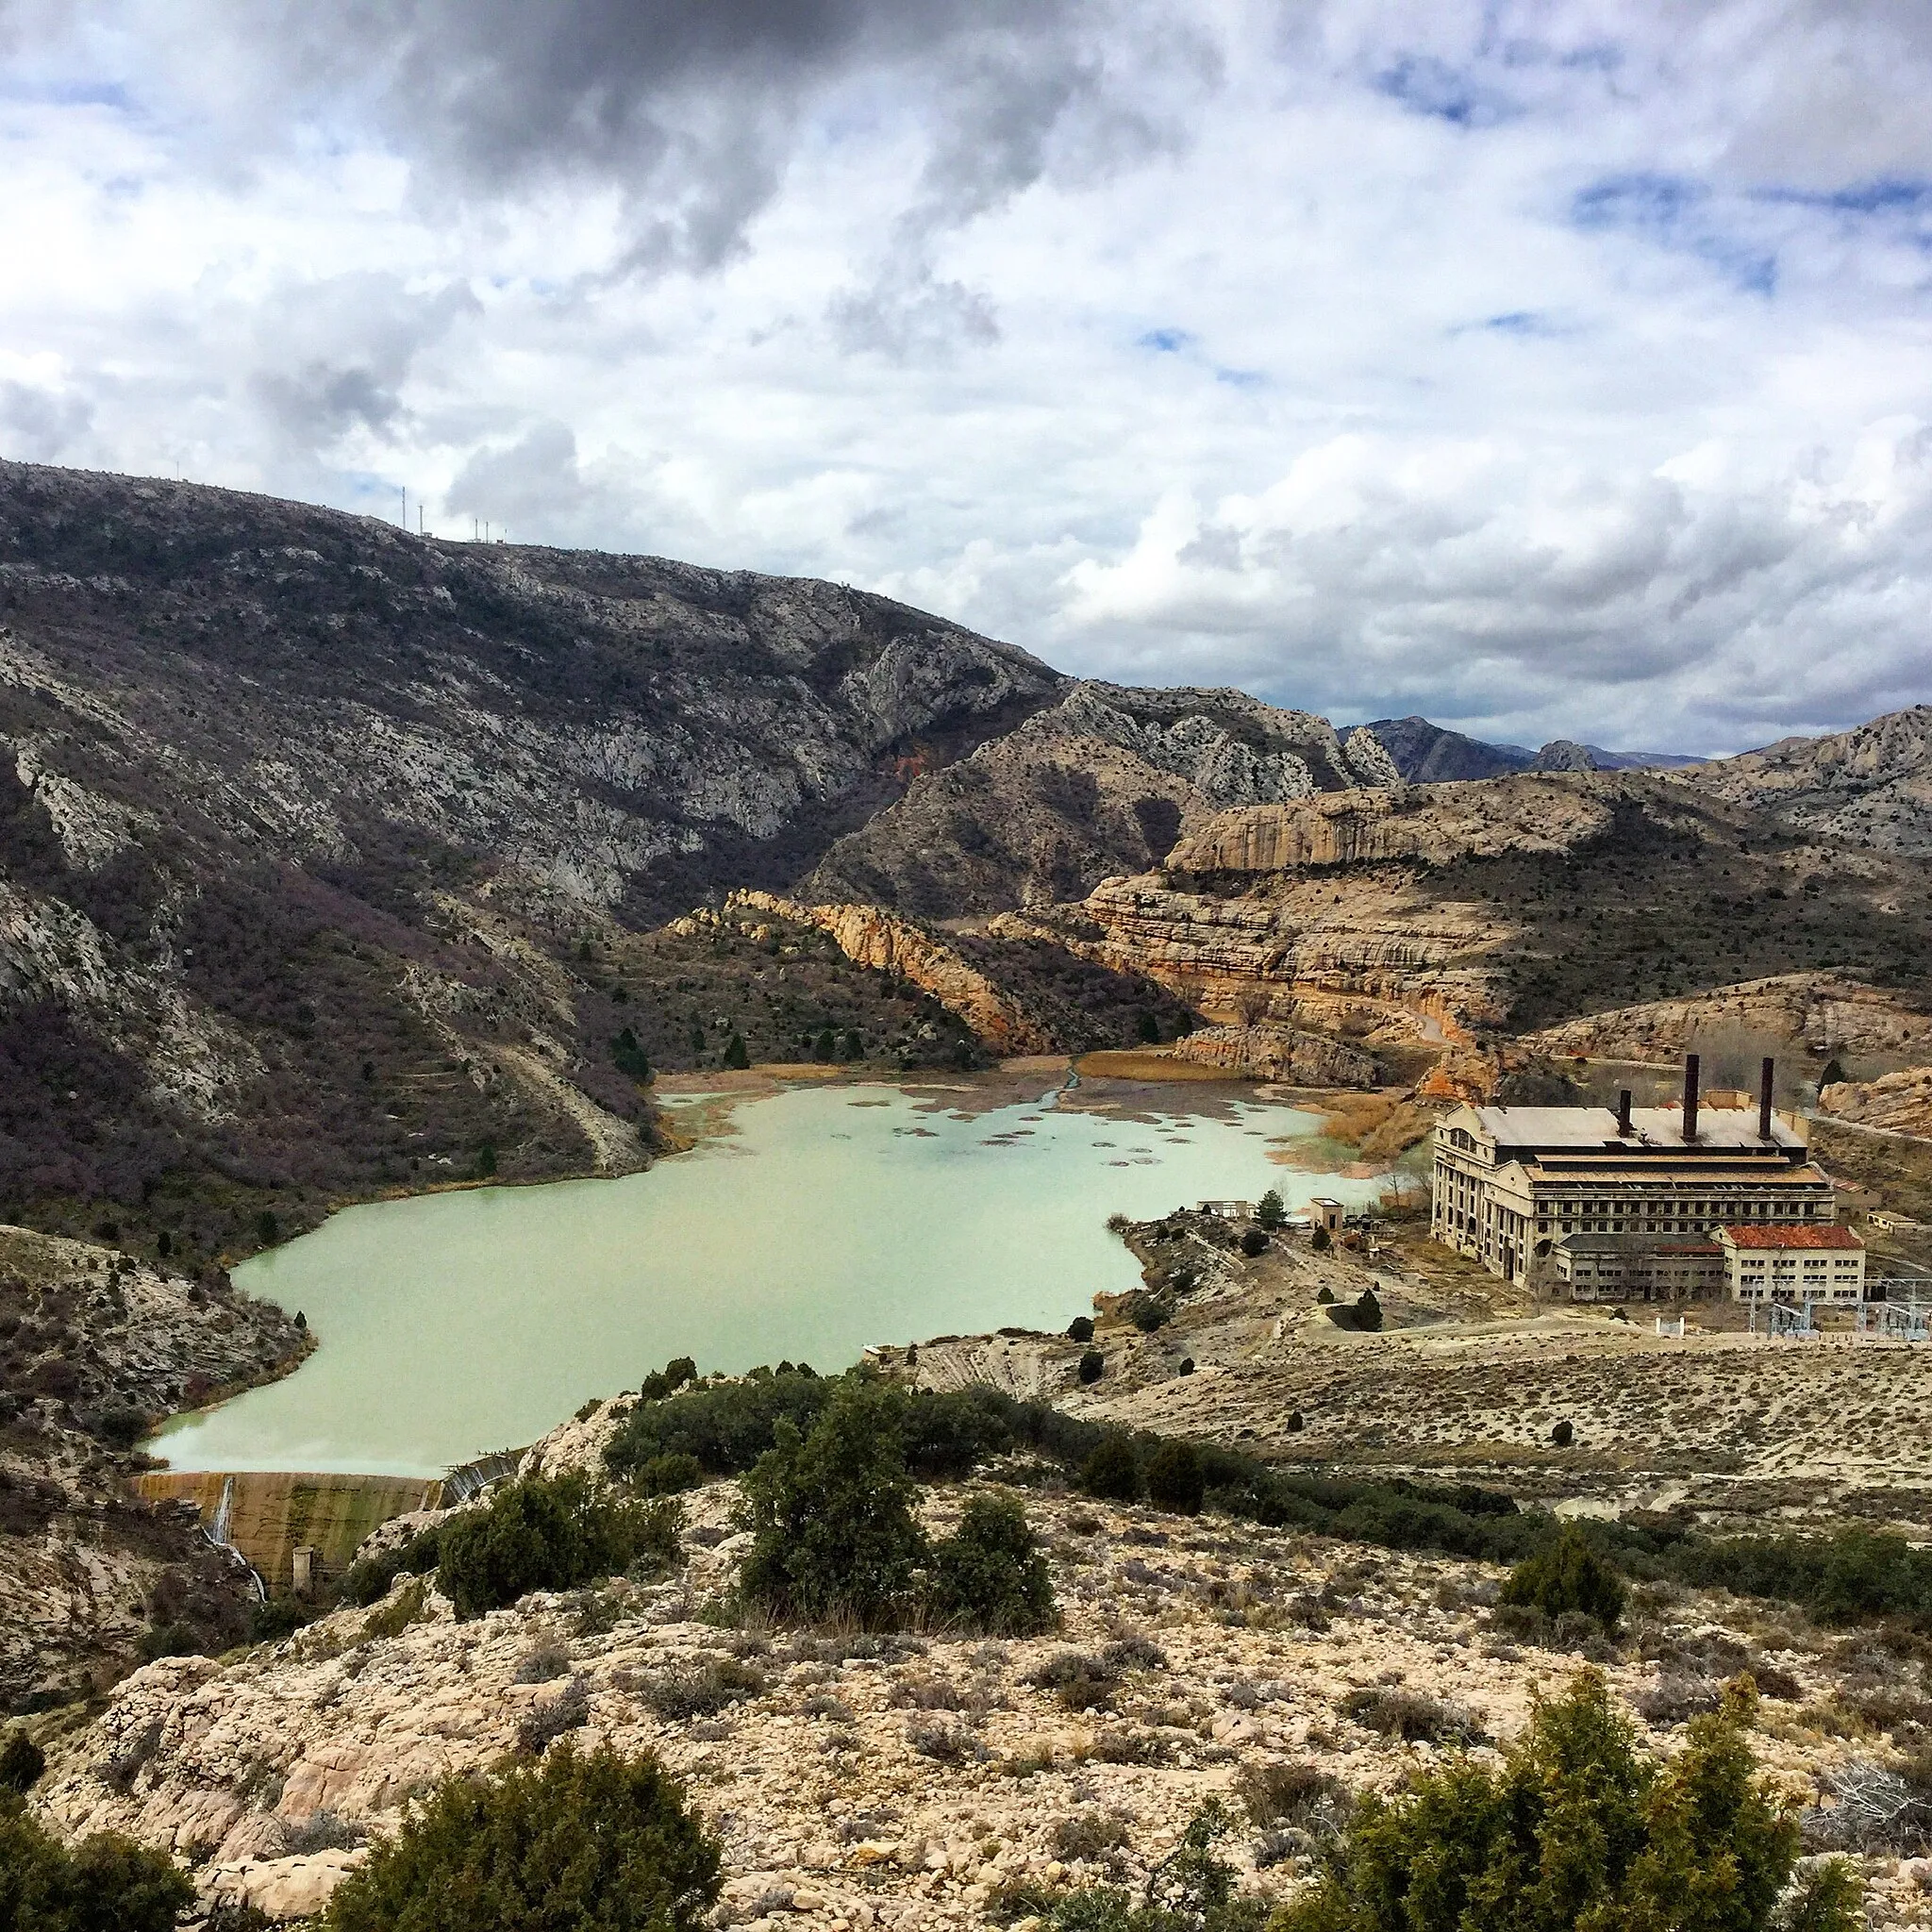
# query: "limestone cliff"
[[1899, 1102], [1826, 1013], [903, 947], [1433, 824]]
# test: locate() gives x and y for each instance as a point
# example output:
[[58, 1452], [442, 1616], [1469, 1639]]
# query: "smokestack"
[[1624, 1114], [1764, 1074], [1689, 1098]]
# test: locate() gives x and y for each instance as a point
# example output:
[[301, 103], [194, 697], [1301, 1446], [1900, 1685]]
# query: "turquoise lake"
[[823, 1220]]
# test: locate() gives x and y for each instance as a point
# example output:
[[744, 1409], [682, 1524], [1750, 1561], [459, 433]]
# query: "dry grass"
[[1147, 1064]]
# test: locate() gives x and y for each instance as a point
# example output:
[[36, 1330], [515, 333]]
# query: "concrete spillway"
[[268, 1515]]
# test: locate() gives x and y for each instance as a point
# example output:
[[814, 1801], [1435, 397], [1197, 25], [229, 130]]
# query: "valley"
[[440, 982]]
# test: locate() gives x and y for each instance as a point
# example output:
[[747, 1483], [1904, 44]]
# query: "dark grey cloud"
[[690, 111], [333, 356]]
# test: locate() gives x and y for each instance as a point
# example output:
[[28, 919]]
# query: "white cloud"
[[1545, 369]]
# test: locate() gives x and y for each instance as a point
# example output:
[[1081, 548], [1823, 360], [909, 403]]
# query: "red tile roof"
[[1827, 1234]]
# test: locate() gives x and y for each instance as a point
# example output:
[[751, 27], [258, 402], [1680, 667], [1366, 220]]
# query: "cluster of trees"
[[836, 1536]]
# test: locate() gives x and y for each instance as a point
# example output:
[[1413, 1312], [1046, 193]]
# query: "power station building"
[[1596, 1204]]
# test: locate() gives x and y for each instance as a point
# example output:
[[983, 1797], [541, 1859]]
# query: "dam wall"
[[272, 1513]]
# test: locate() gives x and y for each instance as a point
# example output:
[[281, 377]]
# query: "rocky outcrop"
[[1820, 1012], [1872, 785], [95, 1345], [1434, 825], [852, 1781], [888, 945], [1104, 781], [1897, 1103], [1303, 953], [1279, 1053], [1564, 755]]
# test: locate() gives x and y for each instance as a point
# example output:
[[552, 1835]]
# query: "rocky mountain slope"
[[1427, 754], [93, 1348], [1869, 787], [335, 860], [307, 827], [1103, 782]]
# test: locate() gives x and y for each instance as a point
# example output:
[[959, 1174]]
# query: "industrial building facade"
[[1530, 1192]]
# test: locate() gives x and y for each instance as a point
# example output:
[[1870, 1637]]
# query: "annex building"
[[1598, 1203]]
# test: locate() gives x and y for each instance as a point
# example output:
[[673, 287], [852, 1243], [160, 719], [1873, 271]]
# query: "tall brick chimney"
[[1624, 1114], [1689, 1098], [1764, 1076]]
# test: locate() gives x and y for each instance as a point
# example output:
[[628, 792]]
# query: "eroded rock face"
[[1437, 823], [1899, 1102], [1828, 1013], [1104, 781], [1872, 785], [1279, 1053], [1316, 953], [94, 1345], [891, 944]]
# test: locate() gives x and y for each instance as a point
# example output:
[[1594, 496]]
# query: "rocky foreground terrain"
[[928, 1780], [93, 1348]]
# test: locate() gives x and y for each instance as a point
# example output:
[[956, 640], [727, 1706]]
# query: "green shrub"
[[988, 1576], [546, 1533], [669, 1380], [1092, 1366], [1175, 1479], [1569, 1575], [668, 1476], [573, 1844], [367, 1580], [831, 1514], [1190, 1891], [1148, 1312], [946, 1435], [629, 1059], [1368, 1312], [1113, 1470], [1571, 1830], [107, 1883], [1320, 1241], [1325, 1297], [279, 1617], [1080, 1329], [735, 1054], [726, 1425], [22, 1761], [1254, 1241]]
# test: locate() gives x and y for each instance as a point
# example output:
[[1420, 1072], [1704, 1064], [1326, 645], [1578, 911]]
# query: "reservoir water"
[[825, 1219]]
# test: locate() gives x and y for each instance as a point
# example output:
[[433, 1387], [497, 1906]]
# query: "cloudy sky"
[[1557, 368]]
